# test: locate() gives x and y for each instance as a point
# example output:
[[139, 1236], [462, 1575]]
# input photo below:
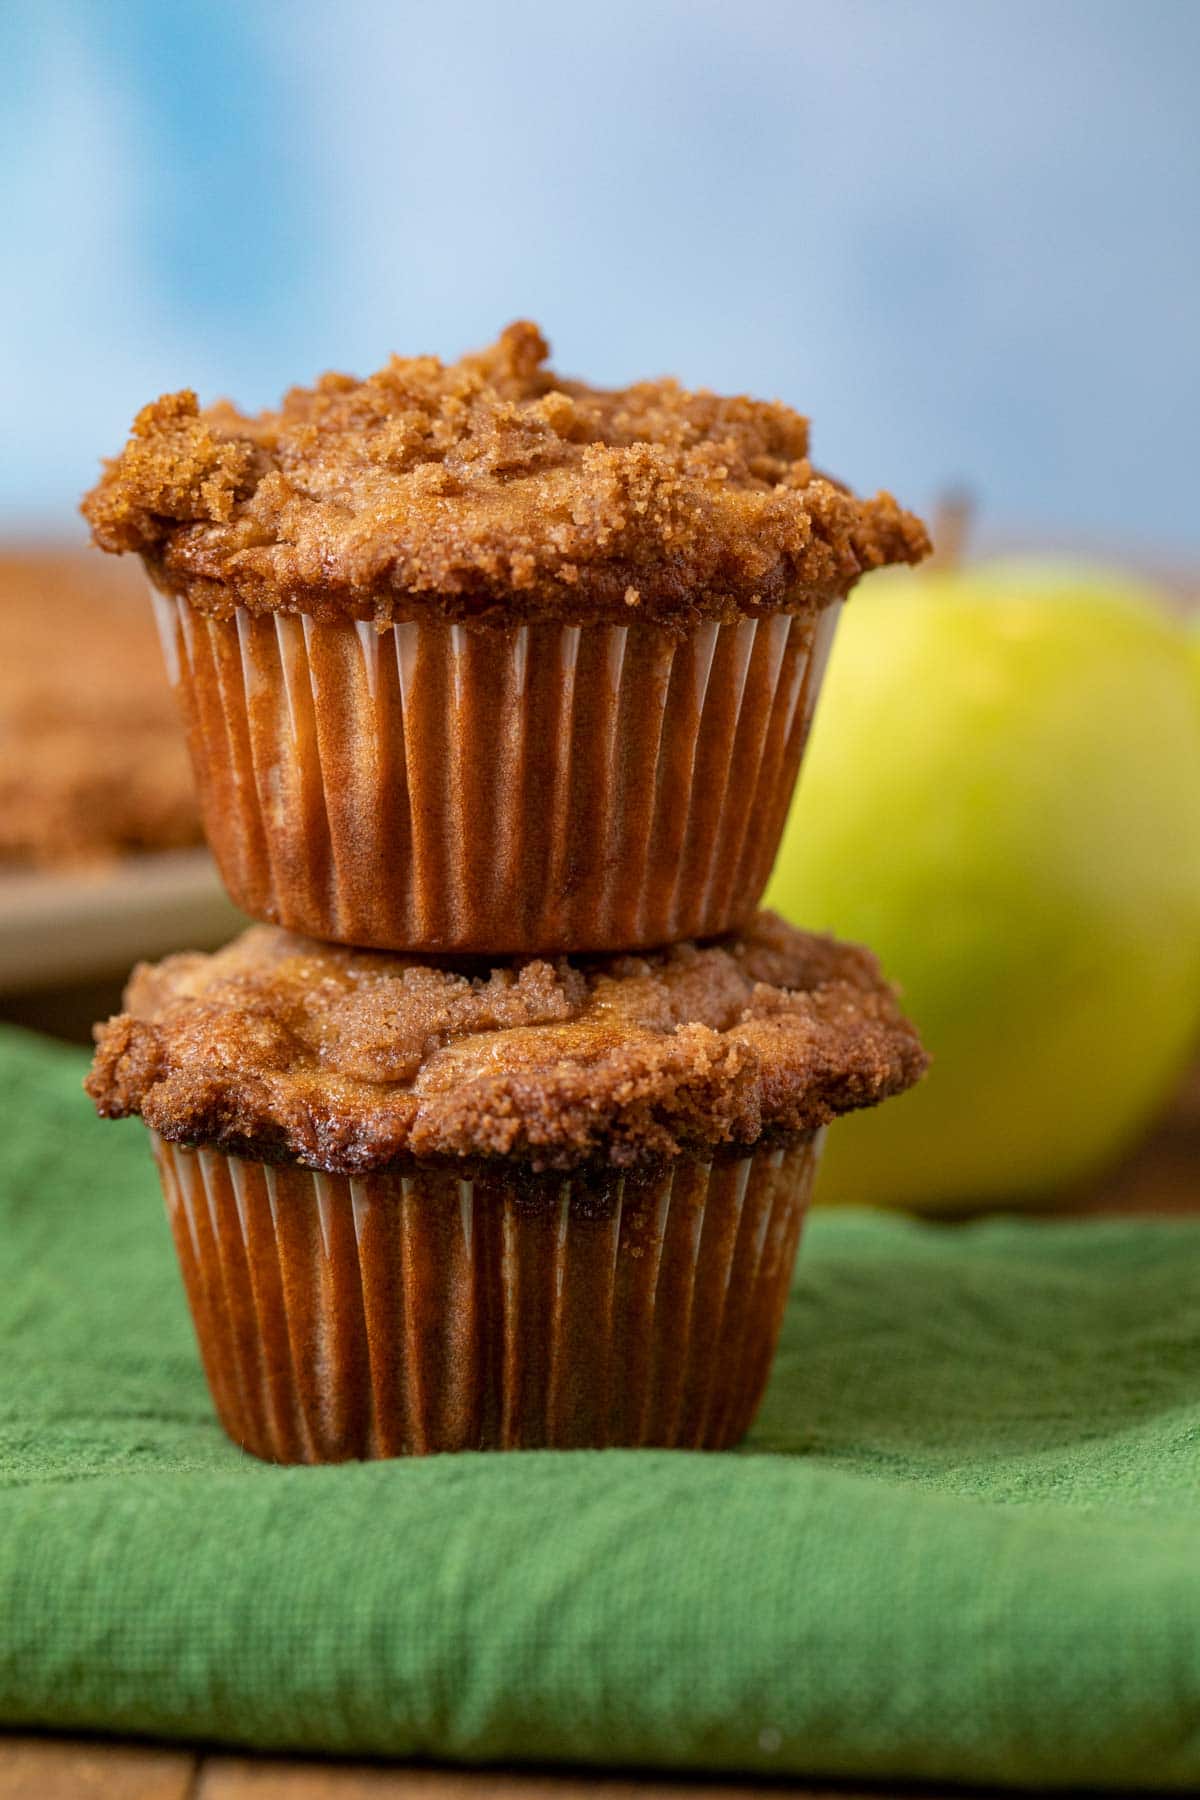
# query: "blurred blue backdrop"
[[961, 234]]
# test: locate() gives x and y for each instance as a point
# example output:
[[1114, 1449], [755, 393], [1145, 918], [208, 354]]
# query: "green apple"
[[1002, 798]]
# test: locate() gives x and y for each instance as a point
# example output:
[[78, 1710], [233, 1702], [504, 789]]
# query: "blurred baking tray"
[[82, 925]]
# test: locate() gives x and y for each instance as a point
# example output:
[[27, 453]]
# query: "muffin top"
[[281, 1048], [491, 488]]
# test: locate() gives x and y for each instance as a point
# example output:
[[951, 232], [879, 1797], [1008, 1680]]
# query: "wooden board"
[[75, 1769], [82, 1769]]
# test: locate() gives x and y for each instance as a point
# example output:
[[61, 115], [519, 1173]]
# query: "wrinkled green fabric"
[[962, 1542]]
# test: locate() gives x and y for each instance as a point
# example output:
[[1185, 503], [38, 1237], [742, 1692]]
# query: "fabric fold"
[[959, 1544]]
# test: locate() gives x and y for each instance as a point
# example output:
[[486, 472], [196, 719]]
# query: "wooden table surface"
[[50, 1769], [34, 1768], [1163, 1176]]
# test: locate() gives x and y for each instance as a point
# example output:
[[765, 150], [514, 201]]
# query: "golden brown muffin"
[[93, 764], [478, 659], [541, 1203]]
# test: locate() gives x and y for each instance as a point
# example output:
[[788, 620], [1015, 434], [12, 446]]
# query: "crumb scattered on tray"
[[93, 763]]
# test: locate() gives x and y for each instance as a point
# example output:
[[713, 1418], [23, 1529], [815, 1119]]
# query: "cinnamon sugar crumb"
[[491, 485], [94, 764], [350, 1060]]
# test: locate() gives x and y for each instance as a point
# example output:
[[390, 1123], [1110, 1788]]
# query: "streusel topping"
[[279, 1047], [492, 487]]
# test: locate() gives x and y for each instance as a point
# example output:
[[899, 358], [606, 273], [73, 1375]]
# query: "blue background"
[[960, 234]]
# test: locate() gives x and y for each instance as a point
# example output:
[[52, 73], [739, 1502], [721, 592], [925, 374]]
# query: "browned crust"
[[491, 486], [280, 1048]]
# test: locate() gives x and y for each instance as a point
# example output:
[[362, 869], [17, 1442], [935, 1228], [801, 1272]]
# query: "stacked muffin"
[[496, 687]]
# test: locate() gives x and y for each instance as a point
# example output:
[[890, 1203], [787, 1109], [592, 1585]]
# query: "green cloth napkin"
[[962, 1542]]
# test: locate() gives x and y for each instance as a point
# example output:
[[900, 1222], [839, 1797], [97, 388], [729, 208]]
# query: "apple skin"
[[1002, 798]]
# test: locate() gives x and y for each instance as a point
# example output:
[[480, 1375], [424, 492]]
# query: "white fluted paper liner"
[[541, 787], [401, 1314]]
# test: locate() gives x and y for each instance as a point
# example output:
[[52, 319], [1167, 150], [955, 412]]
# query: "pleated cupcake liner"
[[506, 790], [401, 1314]]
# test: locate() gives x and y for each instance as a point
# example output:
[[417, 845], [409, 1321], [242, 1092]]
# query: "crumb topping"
[[281, 1048], [491, 486]]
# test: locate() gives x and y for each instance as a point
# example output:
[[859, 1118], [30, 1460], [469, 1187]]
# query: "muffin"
[[93, 764], [477, 659], [425, 1207]]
